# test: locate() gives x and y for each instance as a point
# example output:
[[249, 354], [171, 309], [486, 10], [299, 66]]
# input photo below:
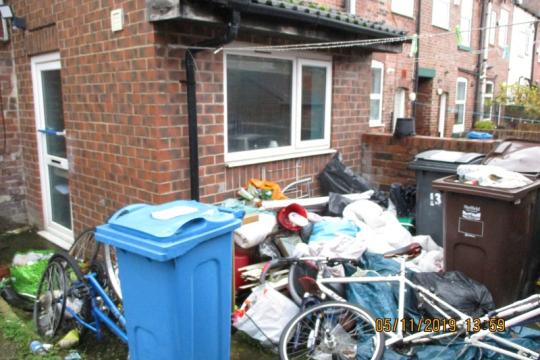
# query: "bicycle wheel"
[[50, 301], [85, 248], [332, 330], [112, 270]]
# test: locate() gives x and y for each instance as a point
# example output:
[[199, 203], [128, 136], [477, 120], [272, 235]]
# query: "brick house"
[[123, 76], [123, 98], [452, 89]]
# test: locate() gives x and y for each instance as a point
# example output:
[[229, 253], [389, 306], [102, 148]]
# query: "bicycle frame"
[[527, 309], [98, 315]]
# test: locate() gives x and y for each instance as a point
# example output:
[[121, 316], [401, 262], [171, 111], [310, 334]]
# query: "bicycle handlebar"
[[296, 260]]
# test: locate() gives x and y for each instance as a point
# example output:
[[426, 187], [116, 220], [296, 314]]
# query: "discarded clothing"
[[329, 229]]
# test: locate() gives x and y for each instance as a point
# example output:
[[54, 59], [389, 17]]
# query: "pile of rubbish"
[[354, 221], [19, 283]]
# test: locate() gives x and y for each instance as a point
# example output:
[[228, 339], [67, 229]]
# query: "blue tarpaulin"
[[381, 300]]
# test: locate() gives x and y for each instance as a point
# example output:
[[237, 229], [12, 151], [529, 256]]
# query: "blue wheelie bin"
[[175, 263]]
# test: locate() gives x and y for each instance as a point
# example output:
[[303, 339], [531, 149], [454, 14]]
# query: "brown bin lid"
[[516, 155], [451, 184]]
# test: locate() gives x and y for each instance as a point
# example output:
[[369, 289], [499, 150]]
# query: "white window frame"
[[298, 148], [436, 18], [493, 27], [489, 96], [466, 17], [461, 127], [377, 96], [504, 19], [403, 7]]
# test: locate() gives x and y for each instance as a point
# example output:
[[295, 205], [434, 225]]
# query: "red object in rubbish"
[[239, 261], [283, 216], [4, 271]]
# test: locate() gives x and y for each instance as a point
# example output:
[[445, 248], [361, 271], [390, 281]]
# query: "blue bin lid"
[[167, 230]]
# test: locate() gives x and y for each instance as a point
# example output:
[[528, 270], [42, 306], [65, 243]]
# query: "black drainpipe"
[[417, 55], [480, 66], [534, 53], [217, 42]]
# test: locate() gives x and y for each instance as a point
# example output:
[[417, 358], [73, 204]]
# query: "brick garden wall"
[[12, 190], [385, 159]]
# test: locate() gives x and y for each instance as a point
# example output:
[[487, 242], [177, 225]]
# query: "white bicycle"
[[341, 330]]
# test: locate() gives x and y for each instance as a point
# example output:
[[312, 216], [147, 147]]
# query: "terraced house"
[[111, 102]]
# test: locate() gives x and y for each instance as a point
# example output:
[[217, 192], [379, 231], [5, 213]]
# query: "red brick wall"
[[217, 180], [385, 159], [12, 191]]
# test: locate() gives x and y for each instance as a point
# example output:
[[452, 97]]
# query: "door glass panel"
[[54, 113], [59, 189], [313, 102]]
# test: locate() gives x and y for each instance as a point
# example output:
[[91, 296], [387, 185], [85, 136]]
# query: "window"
[[492, 27], [403, 7], [275, 105], [461, 102], [488, 100], [503, 28], [466, 21], [375, 97], [441, 14]]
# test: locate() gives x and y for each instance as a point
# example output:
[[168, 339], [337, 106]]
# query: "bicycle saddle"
[[410, 251]]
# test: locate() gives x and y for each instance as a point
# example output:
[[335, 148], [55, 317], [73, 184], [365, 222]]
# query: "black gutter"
[[417, 55], [317, 17], [481, 64], [217, 42]]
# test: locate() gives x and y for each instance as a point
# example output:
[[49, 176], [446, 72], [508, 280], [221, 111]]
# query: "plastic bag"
[[264, 315], [25, 278], [338, 178], [456, 289], [404, 198], [336, 204]]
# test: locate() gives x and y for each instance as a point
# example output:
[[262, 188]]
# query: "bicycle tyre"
[[111, 265], [85, 248], [50, 303], [350, 322]]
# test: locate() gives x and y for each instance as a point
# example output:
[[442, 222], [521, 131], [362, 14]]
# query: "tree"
[[520, 100]]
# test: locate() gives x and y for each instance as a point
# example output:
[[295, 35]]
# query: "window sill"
[[376, 125], [411, 16], [464, 48], [266, 159]]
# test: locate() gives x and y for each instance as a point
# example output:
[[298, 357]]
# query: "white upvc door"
[[399, 106], [442, 114], [51, 140]]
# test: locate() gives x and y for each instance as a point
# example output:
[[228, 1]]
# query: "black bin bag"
[[340, 179], [458, 290]]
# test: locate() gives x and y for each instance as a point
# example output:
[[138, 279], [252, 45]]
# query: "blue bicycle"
[[75, 294]]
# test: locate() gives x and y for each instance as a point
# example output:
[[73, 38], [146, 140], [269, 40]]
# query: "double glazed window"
[[376, 94], [403, 7], [441, 14], [466, 21], [276, 105], [488, 100], [503, 28], [461, 101]]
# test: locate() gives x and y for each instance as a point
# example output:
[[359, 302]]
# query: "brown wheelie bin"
[[489, 234]]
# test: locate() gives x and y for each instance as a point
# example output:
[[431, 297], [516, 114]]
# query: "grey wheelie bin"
[[175, 264], [430, 165]]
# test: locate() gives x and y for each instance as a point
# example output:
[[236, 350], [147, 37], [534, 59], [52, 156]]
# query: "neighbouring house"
[[99, 96]]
